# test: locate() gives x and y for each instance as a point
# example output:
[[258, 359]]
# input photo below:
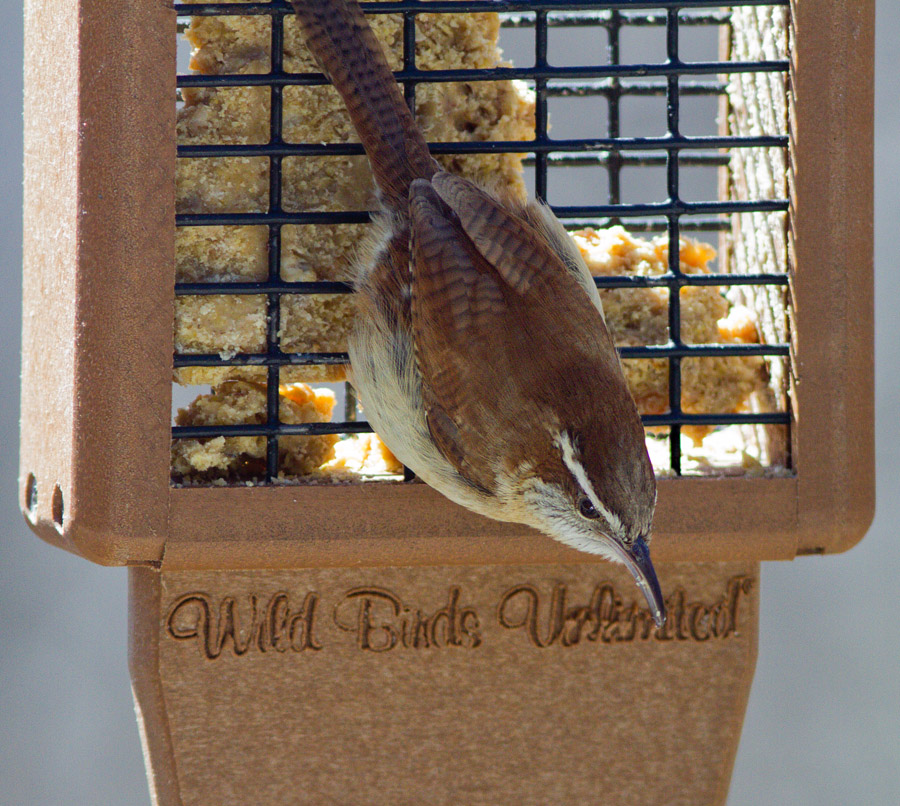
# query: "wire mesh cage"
[[651, 128], [597, 85]]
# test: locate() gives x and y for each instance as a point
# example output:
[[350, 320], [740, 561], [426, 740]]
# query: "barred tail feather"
[[345, 46]]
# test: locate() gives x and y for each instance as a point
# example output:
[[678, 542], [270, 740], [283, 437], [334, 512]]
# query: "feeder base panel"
[[447, 685]]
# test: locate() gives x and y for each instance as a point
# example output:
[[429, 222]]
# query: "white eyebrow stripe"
[[577, 470]]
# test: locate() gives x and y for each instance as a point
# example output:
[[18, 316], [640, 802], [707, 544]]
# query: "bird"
[[479, 351]]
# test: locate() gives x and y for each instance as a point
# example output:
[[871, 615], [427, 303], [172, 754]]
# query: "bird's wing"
[[458, 310], [488, 297], [517, 251], [528, 246]]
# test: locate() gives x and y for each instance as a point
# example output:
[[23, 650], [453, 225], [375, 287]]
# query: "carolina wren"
[[480, 351]]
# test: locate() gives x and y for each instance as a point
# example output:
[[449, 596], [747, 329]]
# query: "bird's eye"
[[587, 509]]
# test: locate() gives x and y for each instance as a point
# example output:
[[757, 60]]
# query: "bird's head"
[[600, 504]]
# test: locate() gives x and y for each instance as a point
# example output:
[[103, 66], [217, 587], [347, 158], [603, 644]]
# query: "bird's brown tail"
[[346, 48]]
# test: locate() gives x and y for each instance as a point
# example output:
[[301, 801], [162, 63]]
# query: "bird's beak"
[[637, 560]]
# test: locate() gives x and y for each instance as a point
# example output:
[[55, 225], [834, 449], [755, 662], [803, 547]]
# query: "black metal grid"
[[615, 80]]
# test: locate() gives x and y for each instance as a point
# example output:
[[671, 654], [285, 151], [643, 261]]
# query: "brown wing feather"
[[476, 334], [518, 252], [456, 305]]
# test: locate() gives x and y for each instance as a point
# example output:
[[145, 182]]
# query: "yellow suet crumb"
[[640, 316], [229, 459]]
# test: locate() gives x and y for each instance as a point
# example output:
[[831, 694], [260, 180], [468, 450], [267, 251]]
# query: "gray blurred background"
[[823, 724]]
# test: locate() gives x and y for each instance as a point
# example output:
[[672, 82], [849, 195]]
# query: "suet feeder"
[[307, 634]]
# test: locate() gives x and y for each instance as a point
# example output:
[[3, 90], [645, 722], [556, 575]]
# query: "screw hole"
[[56, 505], [31, 495]]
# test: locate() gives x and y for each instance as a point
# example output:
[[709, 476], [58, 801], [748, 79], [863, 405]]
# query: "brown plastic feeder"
[[374, 643]]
